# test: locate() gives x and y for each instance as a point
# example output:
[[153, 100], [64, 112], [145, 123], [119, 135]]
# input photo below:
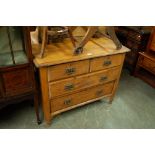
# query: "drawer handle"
[[107, 63], [67, 101], [70, 71], [103, 78], [69, 87], [99, 92]]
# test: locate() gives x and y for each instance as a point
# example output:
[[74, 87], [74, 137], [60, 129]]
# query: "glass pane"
[[16, 38], [5, 52], [17, 41]]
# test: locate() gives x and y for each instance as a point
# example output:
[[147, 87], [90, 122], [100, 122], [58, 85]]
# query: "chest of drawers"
[[145, 68], [68, 81]]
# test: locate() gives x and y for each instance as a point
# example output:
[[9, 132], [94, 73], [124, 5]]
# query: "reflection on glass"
[[5, 54], [12, 49]]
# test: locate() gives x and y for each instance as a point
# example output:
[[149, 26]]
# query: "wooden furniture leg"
[[89, 33], [70, 31], [36, 106], [111, 32], [36, 97], [44, 41], [45, 100]]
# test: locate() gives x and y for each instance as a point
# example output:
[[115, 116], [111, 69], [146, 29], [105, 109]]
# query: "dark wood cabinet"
[[135, 38], [17, 80], [145, 68]]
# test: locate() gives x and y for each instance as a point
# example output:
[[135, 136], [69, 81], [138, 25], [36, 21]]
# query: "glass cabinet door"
[[12, 49]]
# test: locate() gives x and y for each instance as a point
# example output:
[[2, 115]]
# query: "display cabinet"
[[17, 80]]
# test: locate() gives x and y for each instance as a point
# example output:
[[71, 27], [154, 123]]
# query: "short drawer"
[[80, 82], [68, 70], [148, 64], [83, 96], [106, 62]]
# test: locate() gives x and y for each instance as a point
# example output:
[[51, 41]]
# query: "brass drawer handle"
[[69, 87], [107, 63], [103, 78], [70, 71], [99, 92], [67, 101]]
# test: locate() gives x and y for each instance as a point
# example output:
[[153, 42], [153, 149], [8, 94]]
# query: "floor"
[[133, 107]]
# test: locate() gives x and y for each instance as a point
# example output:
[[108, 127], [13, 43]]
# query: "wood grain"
[[117, 81], [79, 83], [82, 96], [58, 53], [148, 65], [68, 70], [90, 77], [105, 62], [45, 94], [145, 68], [17, 81]]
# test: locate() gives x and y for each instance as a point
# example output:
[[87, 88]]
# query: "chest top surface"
[[58, 53]]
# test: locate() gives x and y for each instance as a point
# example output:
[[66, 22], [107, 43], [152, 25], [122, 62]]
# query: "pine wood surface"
[[58, 53], [105, 62], [78, 83], [82, 96], [62, 71], [68, 81]]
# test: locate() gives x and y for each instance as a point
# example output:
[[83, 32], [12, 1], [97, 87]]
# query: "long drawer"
[[81, 82], [80, 97], [68, 70], [106, 62]]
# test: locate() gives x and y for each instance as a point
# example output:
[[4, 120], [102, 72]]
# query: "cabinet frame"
[[30, 91]]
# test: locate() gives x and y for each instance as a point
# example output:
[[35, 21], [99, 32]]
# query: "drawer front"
[[68, 70], [106, 62], [83, 96], [150, 65], [78, 83]]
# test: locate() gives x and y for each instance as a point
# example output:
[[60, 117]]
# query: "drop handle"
[[107, 63], [99, 92], [70, 70], [69, 87], [67, 101], [103, 78]]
